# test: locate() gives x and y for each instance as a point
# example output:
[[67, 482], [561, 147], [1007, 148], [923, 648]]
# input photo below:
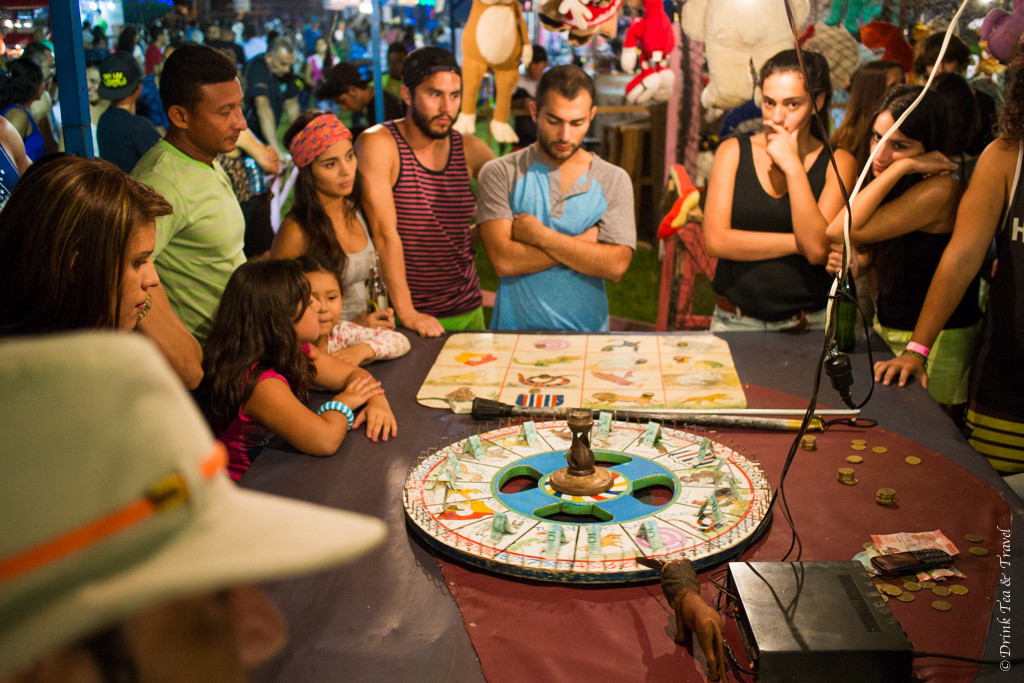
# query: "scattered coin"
[[977, 550], [846, 476], [858, 447], [959, 589], [867, 544], [854, 459], [974, 538], [885, 597], [912, 586], [880, 449], [886, 496], [905, 597], [927, 584], [942, 605], [879, 587], [890, 589], [941, 591], [858, 442], [908, 578], [809, 443], [912, 460]]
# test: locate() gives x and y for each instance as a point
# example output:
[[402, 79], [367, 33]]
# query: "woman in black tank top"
[[991, 207], [770, 198], [903, 219]]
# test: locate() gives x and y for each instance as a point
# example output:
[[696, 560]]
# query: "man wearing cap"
[[417, 173], [270, 92], [556, 221], [345, 86], [199, 246], [122, 135], [142, 565]]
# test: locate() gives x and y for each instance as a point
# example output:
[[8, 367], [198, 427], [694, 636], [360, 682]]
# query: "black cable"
[[972, 660]]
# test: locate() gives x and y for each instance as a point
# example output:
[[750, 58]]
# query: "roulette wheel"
[[494, 500]]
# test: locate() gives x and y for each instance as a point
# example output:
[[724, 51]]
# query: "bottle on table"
[[376, 292], [846, 315]]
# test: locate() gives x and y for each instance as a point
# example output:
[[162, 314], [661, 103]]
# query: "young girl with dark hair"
[[260, 363], [326, 219], [340, 338], [905, 215], [770, 198]]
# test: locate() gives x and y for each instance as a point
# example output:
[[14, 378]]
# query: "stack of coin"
[[859, 445], [846, 476], [809, 442], [886, 496]]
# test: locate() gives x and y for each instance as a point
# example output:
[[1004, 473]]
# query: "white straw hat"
[[113, 496]]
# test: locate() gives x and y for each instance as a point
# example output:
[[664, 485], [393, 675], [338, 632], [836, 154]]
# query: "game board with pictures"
[[688, 371]]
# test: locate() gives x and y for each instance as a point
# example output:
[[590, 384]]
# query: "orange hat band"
[[164, 495]]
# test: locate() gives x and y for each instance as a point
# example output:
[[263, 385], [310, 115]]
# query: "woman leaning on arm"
[[992, 206]]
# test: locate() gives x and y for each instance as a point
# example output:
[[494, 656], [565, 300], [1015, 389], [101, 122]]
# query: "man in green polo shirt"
[[199, 246]]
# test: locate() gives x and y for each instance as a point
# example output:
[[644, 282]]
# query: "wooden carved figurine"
[[494, 38], [682, 590]]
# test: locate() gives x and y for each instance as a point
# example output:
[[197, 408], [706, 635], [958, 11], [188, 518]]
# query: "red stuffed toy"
[[689, 197], [655, 38]]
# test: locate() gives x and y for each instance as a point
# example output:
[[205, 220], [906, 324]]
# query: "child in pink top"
[[265, 329], [340, 338]]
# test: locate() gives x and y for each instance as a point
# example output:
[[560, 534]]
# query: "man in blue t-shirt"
[[556, 221], [123, 136]]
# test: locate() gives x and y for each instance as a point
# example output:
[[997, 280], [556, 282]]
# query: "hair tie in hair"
[[318, 135]]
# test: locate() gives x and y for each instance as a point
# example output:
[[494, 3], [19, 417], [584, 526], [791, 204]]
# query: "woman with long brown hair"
[[76, 237], [867, 87], [326, 219]]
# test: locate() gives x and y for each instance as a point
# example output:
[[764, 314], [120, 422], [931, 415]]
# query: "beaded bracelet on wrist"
[[339, 407], [915, 354]]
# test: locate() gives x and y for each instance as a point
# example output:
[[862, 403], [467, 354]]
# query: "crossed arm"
[[524, 245]]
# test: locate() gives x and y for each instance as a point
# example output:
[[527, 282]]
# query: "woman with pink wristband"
[[902, 221], [992, 207]]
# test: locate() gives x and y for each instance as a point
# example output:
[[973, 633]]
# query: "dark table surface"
[[390, 616]]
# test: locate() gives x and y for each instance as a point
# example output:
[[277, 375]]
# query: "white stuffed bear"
[[736, 33]]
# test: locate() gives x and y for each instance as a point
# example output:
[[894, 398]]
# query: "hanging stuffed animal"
[[739, 36], [1003, 30], [687, 199], [581, 19], [853, 13], [494, 38], [654, 37]]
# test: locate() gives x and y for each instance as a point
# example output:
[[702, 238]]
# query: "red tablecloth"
[[533, 631]]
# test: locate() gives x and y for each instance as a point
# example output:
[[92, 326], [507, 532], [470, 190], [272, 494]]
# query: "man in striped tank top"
[[417, 198], [556, 220]]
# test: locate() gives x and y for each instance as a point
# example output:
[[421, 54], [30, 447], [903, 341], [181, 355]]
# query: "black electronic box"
[[817, 621]]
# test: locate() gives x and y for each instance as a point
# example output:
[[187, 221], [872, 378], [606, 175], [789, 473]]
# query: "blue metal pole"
[[69, 58], [378, 88]]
